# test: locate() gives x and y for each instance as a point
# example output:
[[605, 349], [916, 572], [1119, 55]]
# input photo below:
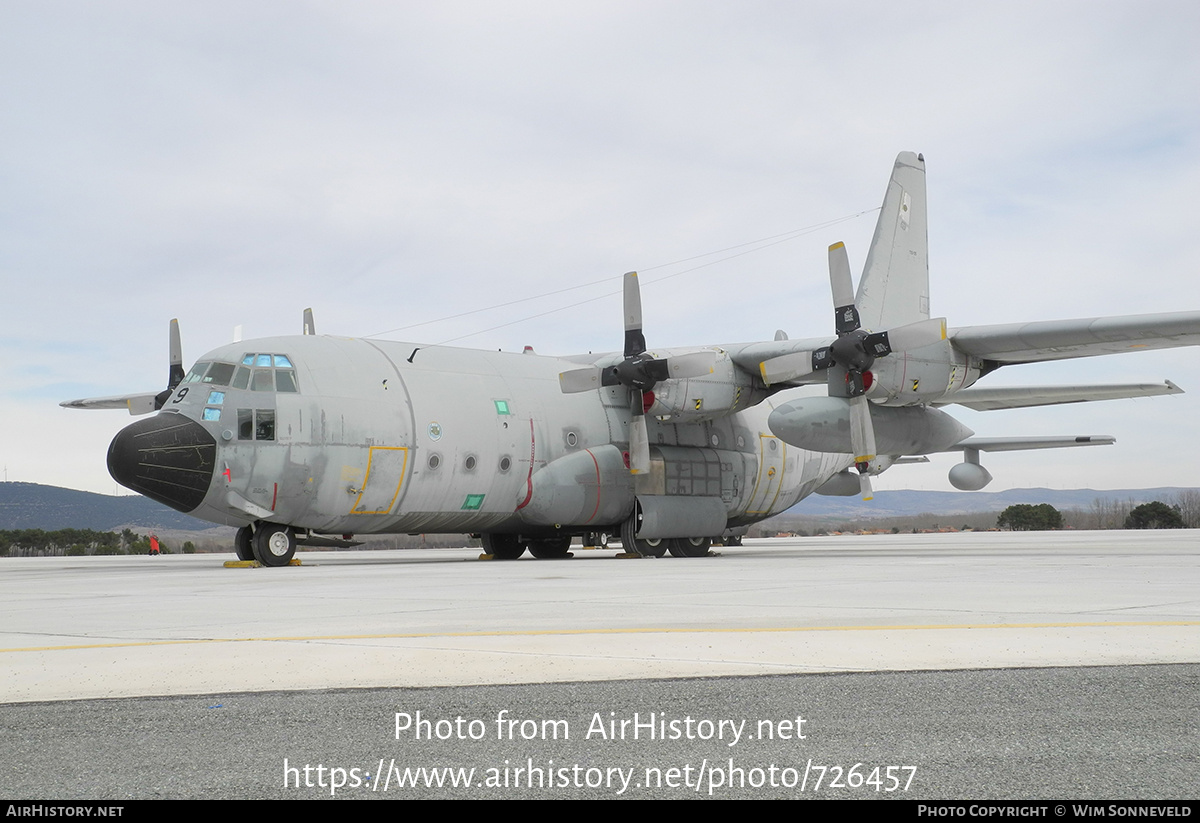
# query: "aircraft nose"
[[168, 458]]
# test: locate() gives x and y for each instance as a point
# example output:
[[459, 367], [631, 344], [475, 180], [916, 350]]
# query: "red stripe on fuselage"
[[529, 479]]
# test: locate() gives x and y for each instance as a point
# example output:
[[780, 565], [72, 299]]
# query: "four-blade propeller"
[[640, 373], [854, 350]]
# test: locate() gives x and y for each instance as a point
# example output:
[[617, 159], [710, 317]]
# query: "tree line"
[[1153, 515], [78, 543]]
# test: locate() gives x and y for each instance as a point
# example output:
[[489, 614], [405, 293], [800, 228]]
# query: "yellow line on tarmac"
[[551, 632]]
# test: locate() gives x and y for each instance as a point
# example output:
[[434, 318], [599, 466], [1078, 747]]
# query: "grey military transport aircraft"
[[312, 439]]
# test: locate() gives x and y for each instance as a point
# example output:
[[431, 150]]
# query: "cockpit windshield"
[[266, 372], [258, 372]]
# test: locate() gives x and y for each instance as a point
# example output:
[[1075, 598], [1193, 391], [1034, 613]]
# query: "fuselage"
[[354, 436]]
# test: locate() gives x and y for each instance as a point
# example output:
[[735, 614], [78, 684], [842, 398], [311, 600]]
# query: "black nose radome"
[[168, 458]]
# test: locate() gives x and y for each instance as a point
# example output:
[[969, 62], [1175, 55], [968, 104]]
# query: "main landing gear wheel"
[[502, 546], [242, 544], [551, 548], [690, 546], [656, 547], [273, 544]]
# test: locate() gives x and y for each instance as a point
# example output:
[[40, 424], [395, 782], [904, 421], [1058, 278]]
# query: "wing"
[[1086, 337], [1020, 397], [1017, 444]]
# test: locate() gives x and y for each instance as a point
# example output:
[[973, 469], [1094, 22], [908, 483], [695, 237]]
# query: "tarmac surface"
[[131, 677]]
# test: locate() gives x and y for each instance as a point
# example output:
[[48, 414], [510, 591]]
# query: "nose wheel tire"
[[242, 544], [274, 545], [690, 546]]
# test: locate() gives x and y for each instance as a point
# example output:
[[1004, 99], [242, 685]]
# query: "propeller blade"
[[864, 487], [855, 385], [175, 372], [862, 434], [913, 336], [635, 341], [309, 326], [639, 442], [693, 364], [175, 355], [678, 367], [786, 367], [862, 438], [579, 380], [845, 313]]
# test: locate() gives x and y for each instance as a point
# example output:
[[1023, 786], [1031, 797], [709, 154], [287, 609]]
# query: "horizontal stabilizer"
[[1086, 337], [134, 403], [1019, 397], [1017, 444]]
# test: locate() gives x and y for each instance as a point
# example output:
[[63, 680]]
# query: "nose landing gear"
[[271, 544]]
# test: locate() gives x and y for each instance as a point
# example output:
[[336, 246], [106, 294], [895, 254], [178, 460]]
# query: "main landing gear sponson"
[[646, 548]]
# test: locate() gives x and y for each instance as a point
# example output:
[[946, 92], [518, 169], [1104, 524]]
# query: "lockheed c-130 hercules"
[[313, 439]]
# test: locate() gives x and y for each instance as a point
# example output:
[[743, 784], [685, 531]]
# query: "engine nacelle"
[[922, 375], [692, 400], [822, 424]]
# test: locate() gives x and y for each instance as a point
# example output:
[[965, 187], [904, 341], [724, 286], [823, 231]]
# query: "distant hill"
[[907, 503], [34, 506]]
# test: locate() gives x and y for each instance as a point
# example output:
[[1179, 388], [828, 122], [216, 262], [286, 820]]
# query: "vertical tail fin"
[[894, 289]]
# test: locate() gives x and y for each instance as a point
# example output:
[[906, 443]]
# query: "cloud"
[[388, 163]]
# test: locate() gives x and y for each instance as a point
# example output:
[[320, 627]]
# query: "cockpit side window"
[[265, 424], [219, 374], [245, 424], [197, 372], [262, 380], [256, 424]]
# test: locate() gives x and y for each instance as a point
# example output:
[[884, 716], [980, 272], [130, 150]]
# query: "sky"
[[391, 164]]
